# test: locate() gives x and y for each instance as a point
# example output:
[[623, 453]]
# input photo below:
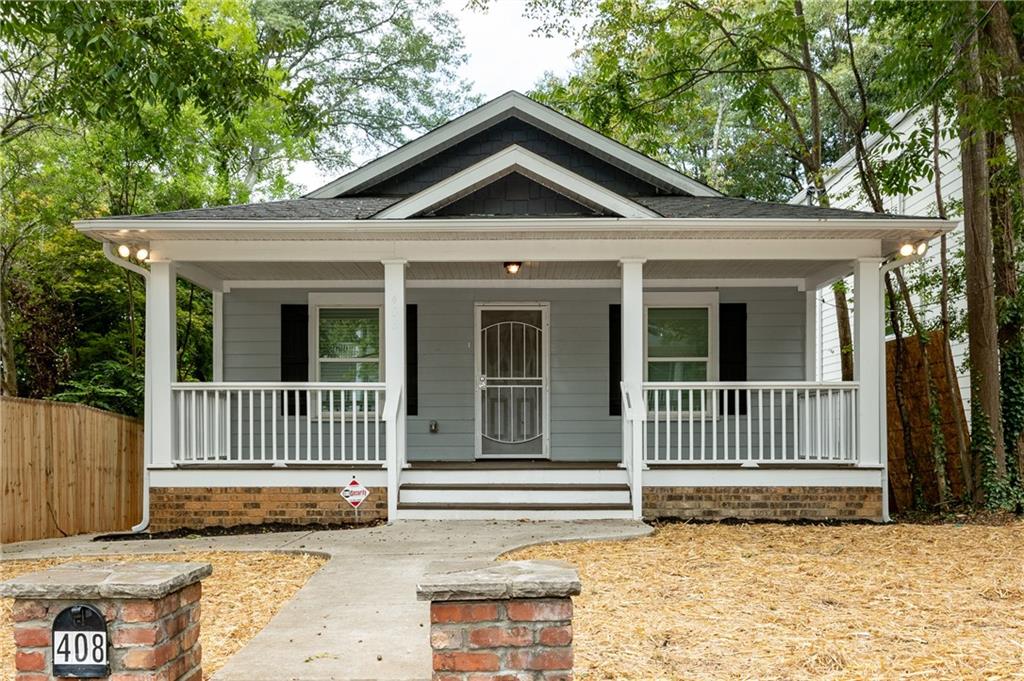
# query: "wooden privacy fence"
[[67, 469], [912, 470]]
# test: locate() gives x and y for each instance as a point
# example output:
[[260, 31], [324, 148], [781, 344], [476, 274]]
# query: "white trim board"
[[515, 159], [506, 106], [378, 284]]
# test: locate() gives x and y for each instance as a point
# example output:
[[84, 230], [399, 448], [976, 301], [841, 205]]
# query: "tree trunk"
[[1000, 32], [962, 446], [845, 333], [8, 368], [988, 451]]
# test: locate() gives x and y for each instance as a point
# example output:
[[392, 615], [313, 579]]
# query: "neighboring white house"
[[845, 192], [513, 316]]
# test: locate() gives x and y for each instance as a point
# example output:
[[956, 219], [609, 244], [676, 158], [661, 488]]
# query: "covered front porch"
[[563, 390]]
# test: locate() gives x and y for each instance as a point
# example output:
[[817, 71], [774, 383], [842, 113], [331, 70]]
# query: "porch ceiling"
[[337, 272]]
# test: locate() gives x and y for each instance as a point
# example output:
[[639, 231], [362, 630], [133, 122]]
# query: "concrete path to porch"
[[357, 618]]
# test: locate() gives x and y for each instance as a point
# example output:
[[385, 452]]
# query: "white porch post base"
[[633, 372], [161, 360], [394, 376], [869, 366]]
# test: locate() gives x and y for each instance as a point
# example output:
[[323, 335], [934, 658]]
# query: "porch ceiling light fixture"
[[126, 251], [513, 267]]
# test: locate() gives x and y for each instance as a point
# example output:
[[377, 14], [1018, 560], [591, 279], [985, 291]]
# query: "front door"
[[512, 371]]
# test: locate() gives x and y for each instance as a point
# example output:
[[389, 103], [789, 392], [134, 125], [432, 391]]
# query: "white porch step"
[[513, 473], [569, 494], [512, 490]]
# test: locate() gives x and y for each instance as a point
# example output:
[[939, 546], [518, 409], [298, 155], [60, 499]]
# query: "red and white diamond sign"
[[354, 493]]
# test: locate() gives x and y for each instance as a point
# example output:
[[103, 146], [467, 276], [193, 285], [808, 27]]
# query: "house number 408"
[[79, 647]]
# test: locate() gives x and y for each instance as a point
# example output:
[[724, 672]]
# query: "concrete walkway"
[[357, 618]]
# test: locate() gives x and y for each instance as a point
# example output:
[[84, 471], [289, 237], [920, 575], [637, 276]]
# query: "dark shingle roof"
[[348, 208], [361, 207], [727, 207]]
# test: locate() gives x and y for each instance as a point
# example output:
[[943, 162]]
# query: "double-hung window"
[[681, 339], [348, 344]]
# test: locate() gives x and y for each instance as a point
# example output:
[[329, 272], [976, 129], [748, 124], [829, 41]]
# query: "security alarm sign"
[[354, 493]]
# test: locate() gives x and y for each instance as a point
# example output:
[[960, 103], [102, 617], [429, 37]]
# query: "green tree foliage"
[[131, 108]]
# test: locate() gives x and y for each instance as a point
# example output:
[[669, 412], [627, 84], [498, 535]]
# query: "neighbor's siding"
[[581, 428], [844, 190]]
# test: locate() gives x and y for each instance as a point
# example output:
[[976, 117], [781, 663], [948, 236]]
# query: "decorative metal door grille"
[[512, 381]]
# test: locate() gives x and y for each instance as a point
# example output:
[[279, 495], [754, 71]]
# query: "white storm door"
[[512, 392]]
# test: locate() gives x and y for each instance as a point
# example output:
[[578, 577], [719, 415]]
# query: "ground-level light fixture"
[[513, 267]]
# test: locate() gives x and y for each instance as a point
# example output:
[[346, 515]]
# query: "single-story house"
[[513, 316]]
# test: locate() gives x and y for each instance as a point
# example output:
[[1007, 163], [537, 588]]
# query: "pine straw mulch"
[[244, 592], [799, 602]]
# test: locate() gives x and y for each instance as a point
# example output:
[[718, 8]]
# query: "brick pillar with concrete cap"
[[151, 612], [501, 621]]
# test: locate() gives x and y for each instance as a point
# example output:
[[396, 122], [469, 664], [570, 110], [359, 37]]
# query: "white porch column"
[[161, 361], [394, 375], [633, 372], [218, 336], [811, 335], [869, 361]]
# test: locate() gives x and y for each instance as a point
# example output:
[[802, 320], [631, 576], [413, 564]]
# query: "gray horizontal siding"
[[581, 428]]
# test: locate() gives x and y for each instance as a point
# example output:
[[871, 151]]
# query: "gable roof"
[[515, 159], [512, 104]]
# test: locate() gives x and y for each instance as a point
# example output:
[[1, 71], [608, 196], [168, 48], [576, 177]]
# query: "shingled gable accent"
[[512, 104], [515, 159]]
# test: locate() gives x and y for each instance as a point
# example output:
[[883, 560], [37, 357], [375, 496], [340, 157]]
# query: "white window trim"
[[691, 299], [319, 301]]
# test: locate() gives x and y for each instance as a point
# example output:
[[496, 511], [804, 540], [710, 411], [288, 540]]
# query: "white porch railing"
[[282, 424], [750, 423]]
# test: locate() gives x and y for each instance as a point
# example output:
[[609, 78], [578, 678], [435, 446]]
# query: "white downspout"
[[146, 431]]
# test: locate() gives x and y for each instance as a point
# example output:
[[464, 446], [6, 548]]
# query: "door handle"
[[483, 382]]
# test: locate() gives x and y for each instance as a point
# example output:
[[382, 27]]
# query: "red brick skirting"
[[778, 503], [198, 507]]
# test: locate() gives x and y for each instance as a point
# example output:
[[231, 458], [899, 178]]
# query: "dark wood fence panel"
[[914, 468], [67, 469]]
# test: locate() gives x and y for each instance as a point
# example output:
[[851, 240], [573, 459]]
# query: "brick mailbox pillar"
[[151, 613], [504, 621]]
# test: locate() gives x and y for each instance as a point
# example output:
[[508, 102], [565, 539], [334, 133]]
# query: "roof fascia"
[[509, 160], [505, 106]]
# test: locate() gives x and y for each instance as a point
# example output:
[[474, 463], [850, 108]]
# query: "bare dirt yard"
[[244, 592], [800, 602]]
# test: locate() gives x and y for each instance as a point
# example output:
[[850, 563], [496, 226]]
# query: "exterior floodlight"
[[513, 267], [142, 254], [922, 248], [124, 251], [907, 250]]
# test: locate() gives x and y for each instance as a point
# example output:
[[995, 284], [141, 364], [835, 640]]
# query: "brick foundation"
[[513, 640], [150, 639], [779, 503], [198, 507]]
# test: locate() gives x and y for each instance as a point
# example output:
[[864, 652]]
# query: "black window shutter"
[[294, 351], [614, 359], [732, 351], [412, 361]]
